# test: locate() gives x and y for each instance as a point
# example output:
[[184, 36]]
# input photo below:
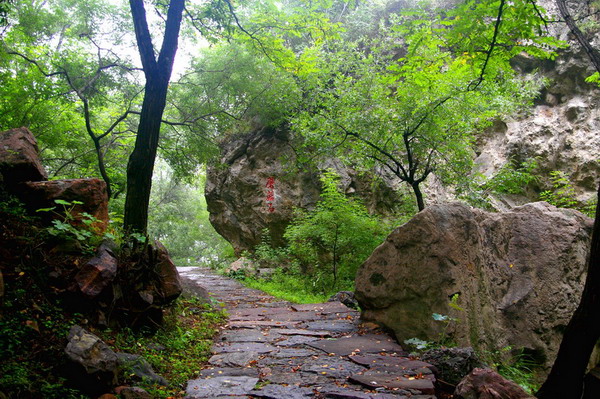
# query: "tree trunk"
[[141, 161], [158, 73], [581, 335], [418, 196]]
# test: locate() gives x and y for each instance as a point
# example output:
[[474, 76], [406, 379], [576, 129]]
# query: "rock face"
[[518, 276], [560, 130], [19, 159], [256, 186]]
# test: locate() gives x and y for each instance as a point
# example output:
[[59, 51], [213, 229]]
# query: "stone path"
[[279, 350]]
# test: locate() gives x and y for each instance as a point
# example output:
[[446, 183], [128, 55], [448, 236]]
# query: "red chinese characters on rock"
[[270, 198]]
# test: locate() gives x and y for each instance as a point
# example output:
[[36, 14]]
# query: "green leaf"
[[45, 209]]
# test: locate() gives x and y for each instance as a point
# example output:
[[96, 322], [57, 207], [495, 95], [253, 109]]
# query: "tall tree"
[[410, 99], [157, 71], [565, 380]]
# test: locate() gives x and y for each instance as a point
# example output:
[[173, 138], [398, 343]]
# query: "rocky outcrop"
[[19, 160], [90, 192], [127, 287], [96, 363], [517, 276], [257, 185], [560, 131]]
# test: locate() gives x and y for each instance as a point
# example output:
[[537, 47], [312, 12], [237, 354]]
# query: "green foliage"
[[32, 331], [69, 224], [513, 177], [516, 366], [412, 102], [53, 55], [331, 241], [562, 194], [178, 349], [178, 217]]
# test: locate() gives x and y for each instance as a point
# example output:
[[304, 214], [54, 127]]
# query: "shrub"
[[331, 241]]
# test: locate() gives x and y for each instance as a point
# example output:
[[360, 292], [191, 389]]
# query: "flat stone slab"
[[296, 340], [393, 364], [248, 336], [342, 393], [261, 311], [370, 343], [262, 323], [298, 331], [393, 381], [220, 386], [295, 316], [294, 353], [333, 326], [234, 359], [243, 347], [285, 375], [323, 308], [274, 391], [332, 367], [229, 372]]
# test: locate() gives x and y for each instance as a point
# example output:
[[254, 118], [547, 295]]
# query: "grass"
[[178, 349], [294, 287], [289, 289], [522, 371]]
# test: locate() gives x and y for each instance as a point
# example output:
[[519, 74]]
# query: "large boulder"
[[19, 160], [91, 192], [257, 184], [517, 275]]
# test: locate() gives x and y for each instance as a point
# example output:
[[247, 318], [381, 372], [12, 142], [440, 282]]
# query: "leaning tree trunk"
[[158, 73], [583, 331]]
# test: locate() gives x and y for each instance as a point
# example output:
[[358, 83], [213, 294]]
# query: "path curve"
[[278, 350]]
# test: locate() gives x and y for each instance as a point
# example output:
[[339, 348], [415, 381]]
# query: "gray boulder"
[[93, 356], [516, 276]]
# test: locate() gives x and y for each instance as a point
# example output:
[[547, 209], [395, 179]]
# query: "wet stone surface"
[[278, 350]]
